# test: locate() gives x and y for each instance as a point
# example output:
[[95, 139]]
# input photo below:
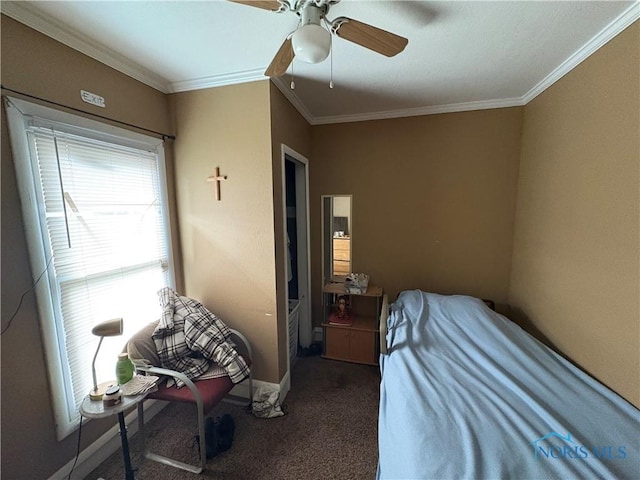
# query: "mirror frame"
[[327, 204]]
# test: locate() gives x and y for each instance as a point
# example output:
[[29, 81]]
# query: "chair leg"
[[169, 461]]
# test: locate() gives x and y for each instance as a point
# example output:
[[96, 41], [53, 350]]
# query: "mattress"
[[466, 393]]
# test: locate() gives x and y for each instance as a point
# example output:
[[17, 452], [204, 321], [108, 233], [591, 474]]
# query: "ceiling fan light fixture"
[[311, 43]]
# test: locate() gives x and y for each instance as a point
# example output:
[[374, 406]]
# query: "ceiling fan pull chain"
[[331, 62], [293, 83]]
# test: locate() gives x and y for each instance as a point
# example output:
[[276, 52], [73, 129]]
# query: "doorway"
[[295, 173]]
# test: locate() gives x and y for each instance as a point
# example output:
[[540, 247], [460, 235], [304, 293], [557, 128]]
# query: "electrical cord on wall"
[[24, 295], [77, 449]]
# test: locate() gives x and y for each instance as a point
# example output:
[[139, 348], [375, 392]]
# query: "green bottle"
[[124, 369]]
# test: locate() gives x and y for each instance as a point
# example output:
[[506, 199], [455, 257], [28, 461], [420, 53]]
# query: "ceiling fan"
[[311, 41]]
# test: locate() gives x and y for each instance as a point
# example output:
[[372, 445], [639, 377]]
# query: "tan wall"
[[434, 207], [575, 258], [288, 127], [228, 245], [433, 199], [37, 65]]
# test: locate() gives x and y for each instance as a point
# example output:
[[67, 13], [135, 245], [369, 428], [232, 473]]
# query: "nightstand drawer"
[[341, 255]]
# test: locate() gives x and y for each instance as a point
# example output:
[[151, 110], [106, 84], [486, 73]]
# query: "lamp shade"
[[311, 43], [108, 328]]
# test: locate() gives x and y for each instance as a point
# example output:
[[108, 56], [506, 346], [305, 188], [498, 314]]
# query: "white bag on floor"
[[266, 402]]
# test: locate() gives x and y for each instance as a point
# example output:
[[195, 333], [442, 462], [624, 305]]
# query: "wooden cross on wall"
[[217, 178]]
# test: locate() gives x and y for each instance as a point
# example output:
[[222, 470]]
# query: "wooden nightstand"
[[358, 342]]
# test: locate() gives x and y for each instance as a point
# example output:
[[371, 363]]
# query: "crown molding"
[[24, 13], [625, 19], [415, 112], [387, 114], [294, 100], [218, 80]]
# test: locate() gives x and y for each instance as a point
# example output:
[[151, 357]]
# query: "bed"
[[466, 393]]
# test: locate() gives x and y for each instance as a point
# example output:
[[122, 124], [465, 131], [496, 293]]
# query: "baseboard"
[[241, 391], [96, 453], [285, 386]]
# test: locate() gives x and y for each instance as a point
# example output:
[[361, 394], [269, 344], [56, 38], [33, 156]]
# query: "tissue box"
[[356, 283]]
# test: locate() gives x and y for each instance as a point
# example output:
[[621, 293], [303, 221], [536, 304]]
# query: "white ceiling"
[[460, 56]]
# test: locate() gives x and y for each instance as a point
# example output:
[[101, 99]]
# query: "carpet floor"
[[329, 432]]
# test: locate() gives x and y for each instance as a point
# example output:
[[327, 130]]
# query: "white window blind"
[[102, 214]]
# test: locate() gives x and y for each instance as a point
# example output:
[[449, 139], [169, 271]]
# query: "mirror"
[[336, 237]]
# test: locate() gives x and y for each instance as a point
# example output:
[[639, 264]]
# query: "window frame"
[[19, 115]]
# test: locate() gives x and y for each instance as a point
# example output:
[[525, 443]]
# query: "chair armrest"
[[162, 371], [175, 374], [244, 341]]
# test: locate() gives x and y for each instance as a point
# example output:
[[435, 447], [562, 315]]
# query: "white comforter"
[[466, 393]]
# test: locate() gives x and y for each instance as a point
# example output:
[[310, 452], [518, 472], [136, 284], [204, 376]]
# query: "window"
[[95, 212]]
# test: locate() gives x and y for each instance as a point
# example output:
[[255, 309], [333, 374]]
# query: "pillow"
[[141, 347]]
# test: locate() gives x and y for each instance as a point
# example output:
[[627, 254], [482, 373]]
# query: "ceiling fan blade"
[[281, 61], [373, 38], [273, 5]]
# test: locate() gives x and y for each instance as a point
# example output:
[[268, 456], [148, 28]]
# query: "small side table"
[[96, 409]]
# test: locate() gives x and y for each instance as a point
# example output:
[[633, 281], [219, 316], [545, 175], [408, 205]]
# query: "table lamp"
[[108, 328]]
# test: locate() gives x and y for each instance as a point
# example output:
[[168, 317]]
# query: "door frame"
[[303, 231]]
